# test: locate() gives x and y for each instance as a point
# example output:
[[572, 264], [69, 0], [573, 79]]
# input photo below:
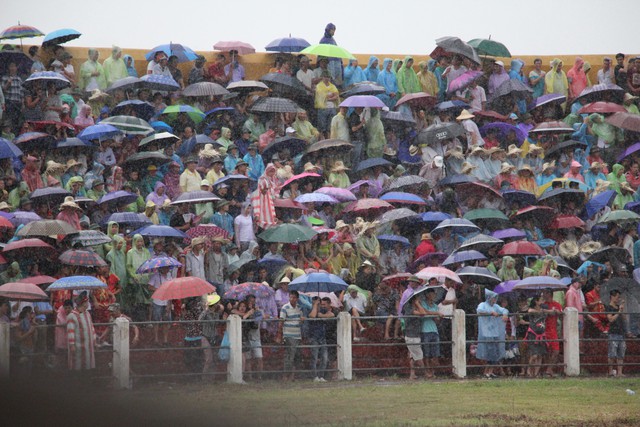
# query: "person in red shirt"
[[553, 310], [216, 70], [426, 246], [633, 177], [594, 304]]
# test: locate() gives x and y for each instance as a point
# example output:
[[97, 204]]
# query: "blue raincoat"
[[388, 80], [371, 73], [491, 328], [353, 74]]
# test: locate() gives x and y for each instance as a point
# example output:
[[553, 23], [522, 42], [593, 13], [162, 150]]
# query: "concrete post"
[[571, 336], [120, 367], [345, 361], [5, 351], [234, 366], [458, 344]]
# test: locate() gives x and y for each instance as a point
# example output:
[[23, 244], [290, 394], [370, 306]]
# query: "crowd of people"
[[528, 165]]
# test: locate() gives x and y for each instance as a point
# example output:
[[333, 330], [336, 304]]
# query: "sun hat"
[[507, 167], [69, 202], [339, 166], [464, 115]]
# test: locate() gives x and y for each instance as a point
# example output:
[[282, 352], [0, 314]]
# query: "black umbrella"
[[627, 287], [275, 105], [609, 253], [294, 145], [364, 88], [34, 141], [205, 89], [480, 242], [440, 132], [285, 85], [372, 163], [126, 83], [511, 87], [54, 195], [397, 214], [456, 45], [142, 160], [601, 92], [142, 109], [570, 143], [479, 275], [326, 144], [22, 61], [396, 118], [563, 196], [457, 179]]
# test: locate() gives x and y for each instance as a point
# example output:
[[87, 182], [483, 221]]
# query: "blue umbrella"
[[227, 179], [503, 129], [160, 231], [184, 53], [629, 151], [24, 218], [218, 110], [204, 139], [73, 283], [519, 196], [99, 131], [463, 256], [370, 163], [287, 44], [119, 197], [144, 110], [600, 201], [631, 206], [387, 241], [401, 197], [160, 126], [318, 282], [315, 198], [509, 233], [449, 105], [435, 217], [159, 82], [154, 264], [457, 179], [272, 265], [73, 143], [60, 36], [8, 149]]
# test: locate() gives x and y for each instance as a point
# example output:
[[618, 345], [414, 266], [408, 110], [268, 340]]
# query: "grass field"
[[566, 402]]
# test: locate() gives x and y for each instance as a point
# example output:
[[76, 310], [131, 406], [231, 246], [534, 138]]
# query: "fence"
[[347, 350]]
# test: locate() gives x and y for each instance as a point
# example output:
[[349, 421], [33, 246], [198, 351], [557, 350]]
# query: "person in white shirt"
[[605, 74], [194, 265], [475, 96], [473, 133], [355, 304], [243, 225], [162, 68], [304, 74]]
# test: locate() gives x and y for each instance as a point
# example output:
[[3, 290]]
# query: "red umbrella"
[[368, 207], [395, 281], [5, 223], [626, 121], [183, 287], [521, 248], [38, 280], [541, 214], [467, 188], [418, 99], [39, 126], [602, 107], [288, 204], [552, 127], [566, 221], [208, 230], [22, 291], [28, 247]]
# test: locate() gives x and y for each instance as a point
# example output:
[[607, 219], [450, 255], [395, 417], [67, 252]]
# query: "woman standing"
[[537, 347], [136, 292], [264, 209]]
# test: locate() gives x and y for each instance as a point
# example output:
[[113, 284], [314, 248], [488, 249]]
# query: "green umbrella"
[[328, 50], [490, 47], [195, 114], [129, 124], [288, 233], [619, 217], [488, 217]]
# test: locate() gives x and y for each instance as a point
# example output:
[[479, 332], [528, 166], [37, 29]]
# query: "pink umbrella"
[[22, 291], [241, 47], [368, 207], [464, 80], [301, 179], [374, 188], [418, 99], [439, 273], [602, 107], [340, 194]]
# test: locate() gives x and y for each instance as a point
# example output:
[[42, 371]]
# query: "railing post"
[[5, 351], [345, 361], [571, 337], [458, 344], [121, 353], [234, 367]]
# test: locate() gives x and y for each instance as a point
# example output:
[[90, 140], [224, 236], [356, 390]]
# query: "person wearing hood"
[[137, 292], [373, 69], [555, 81], [606, 133], [593, 174], [426, 77], [353, 74], [92, 75], [498, 76], [387, 79], [574, 171], [117, 259], [304, 129], [114, 66], [407, 78], [491, 332], [376, 139], [508, 270], [335, 64], [129, 62], [577, 78], [441, 67], [158, 195], [515, 73]]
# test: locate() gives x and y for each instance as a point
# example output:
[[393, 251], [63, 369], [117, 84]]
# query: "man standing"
[[216, 262], [335, 64], [595, 305], [13, 97], [190, 179], [318, 336], [619, 71], [198, 73], [194, 265], [304, 74], [234, 71], [617, 346], [92, 73], [290, 332], [430, 338], [114, 66], [605, 75], [326, 100], [81, 336]]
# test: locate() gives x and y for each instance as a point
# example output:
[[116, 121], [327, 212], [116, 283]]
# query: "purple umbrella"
[[634, 148], [539, 283], [463, 256], [548, 99], [340, 194], [401, 197], [509, 233], [120, 197], [24, 218], [504, 129], [315, 198], [505, 287], [362, 101], [374, 187], [387, 241], [464, 80]]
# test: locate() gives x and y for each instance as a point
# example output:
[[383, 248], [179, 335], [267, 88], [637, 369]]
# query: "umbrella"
[[328, 50], [44, 78], [511, 87], [274, 105], [198, 196], [318, 282], [23, 217], [233, 177], [504, 129], [159, 82], [480, 242], [142, 109], [288, 233], [47, 227], [205, 89], [519, 196], [243, 290], [404, 198], [490, 47], [99, 131], [154, 264], [490, 114], [410, 183], [153, 230], [125, 84], [372, 163], [463, 80], [289, 204], [362, 101], [73, 143], [183, 287], [552, 127], [210, 231], [368, 207], [563, 196], [247, 86], [418, 100], [606, 254], [129, 125], [241, 47], [505, 287], [294, 145], [160, 126], [439, 132], [439, 273], [143, 159], [388, 241], [20, 32], [463, 256], [130, 219], [120, 197], [509, 234], [82, 258], [204, 139], [455, 45], [633, 148], [60, 36], [628, 288], [75, 283], [326, 144], [439, 290], [397, 214], [619, 217], [548, 99], [22, 61], [566, 221], [184, 53], [38, 280], [28, 247], [627, 121], [599, 202], [284, 85], [395, 280], [374, 187], [486, 216], [162, 139], [90, 238], [479, 275], [521, 248], [458, 225], [600, 92], [33, 141], [392, 118], [20, 291], [540, 214], [315, 198], [430, 259], [54, 195], [287, 44], [194, 113], [434, 217], [564, 145], [364, 88], [539, 283], [302, 179], [340, 194], [602, 107]]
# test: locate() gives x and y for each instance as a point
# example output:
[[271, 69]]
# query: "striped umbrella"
[[208, 230], [90, 238], [75, 283], [129, 125], [20, 32], [159, 82], [82, 258], [154, 264]]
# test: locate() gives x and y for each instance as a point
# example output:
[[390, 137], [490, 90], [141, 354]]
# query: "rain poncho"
[[495, 80], [426, 78], [508, 269], [88, 82], [480, 171], [157, 199], [136, 291], [555, 82], [256, 165], [514, 74], [387, 79], [590, 178], [491, 328], [255, 128], [605, 133], [371, 72], [114, 69], [577, 78], [376, 138], [407, 78], [130, 69], [118, 258], [305, 130], [353, 74]]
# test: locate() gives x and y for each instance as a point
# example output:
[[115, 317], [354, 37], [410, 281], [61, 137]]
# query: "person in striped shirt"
[[81, 336], [291, 332]]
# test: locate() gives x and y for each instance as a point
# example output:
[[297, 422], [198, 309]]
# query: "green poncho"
[[137, 291], [407, 78]]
